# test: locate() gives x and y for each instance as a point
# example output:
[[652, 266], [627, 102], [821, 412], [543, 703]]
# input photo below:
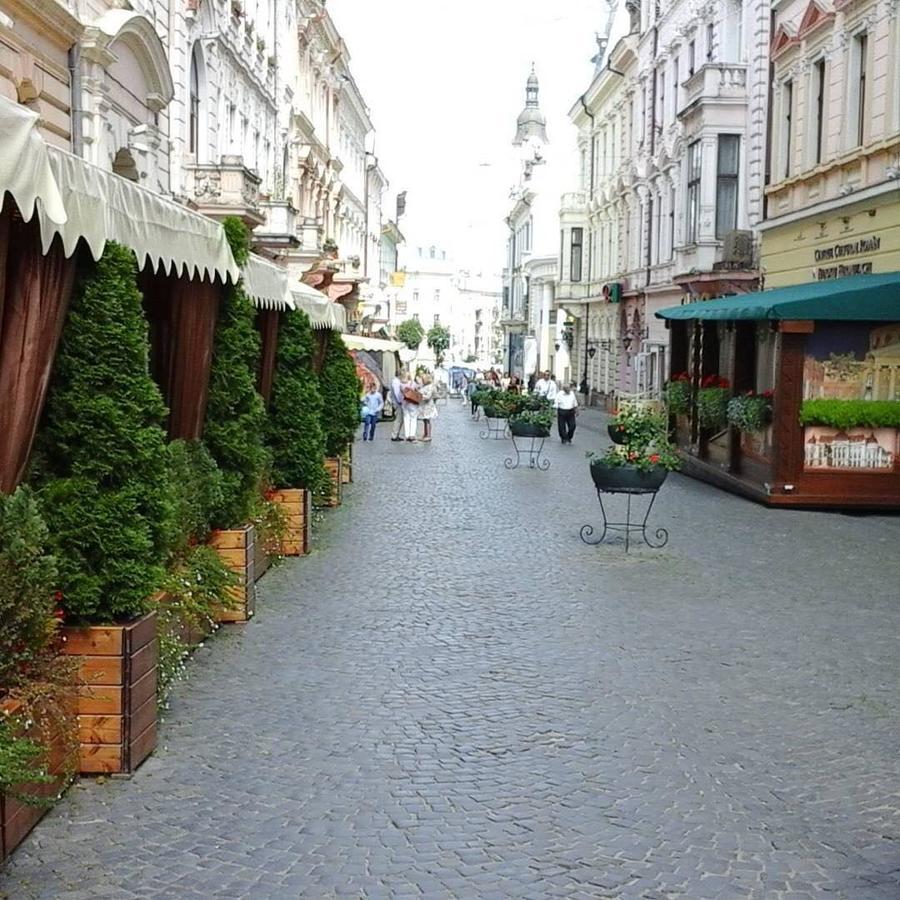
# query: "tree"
[[235, 413], [100, 457], [439, 340], [411, 333], [341, 389], [295, 435]]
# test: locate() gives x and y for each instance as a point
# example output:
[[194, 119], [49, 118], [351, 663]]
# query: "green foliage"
[[22, 761], [28, 576], [482, 396], [295, 435], [196, 492], [100, 460], [712, 407], [851, 413], [238, 238], [646, 445], [678, 397], [340, 388], [193, 591], [438, 338], [638, 425], [411, 333], [235, 415], [750, 412], [540, 417]]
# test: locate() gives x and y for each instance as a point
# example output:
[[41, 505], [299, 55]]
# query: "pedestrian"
[[552, 388], [541, 385], [373, 404], [410, 405], [532, 382], [427, 408], [505, 381], [566, 410], [474, 385], [397, 383]]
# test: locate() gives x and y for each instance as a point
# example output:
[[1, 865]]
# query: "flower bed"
[[712, 402], [678, 394], [750, 412]]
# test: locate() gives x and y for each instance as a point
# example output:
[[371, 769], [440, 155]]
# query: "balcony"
[[227, 189], [280, 227], [574, 201], [714, 83]]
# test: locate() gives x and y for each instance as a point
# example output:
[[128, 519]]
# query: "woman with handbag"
[[427, 408], [411, 400]]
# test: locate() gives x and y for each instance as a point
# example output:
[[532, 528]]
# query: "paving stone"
[[455, 697]]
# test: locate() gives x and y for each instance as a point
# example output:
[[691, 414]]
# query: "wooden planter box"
[[334, 466], [189, 633], [237, 549], [295, 503], [17, 818], [347, 466], [261, 560], [116, 693]]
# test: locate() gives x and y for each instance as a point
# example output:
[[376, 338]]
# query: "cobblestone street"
[[455, 697]]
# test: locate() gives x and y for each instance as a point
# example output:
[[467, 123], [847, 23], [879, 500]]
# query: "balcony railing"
[[226, 189], [574, 201], [280, 226], [715, 81]]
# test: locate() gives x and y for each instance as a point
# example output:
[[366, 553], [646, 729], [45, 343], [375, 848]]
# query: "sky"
[[445, 81]]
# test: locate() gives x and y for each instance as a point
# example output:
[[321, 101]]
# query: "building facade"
[[833, 199]]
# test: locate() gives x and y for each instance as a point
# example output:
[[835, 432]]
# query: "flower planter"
[[237, 549], [347, 466], [616, 434], [493, 413], [295, 503], [528, 429], [261, 560], [116, 693], [626, 478], [334, 468], [18, 818]]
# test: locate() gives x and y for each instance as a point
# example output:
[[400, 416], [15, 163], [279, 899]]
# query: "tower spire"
[[531, 122]]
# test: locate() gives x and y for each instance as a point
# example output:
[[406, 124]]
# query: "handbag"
[[411, 395]]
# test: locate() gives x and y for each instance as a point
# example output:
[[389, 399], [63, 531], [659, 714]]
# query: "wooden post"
[[786, 431]]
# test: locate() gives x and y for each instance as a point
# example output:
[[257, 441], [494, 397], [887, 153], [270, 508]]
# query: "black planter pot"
[[493, 413], [617, 436], [527, 429], [626, 478]]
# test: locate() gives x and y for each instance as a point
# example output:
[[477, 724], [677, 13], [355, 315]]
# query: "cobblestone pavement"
[[455, 697]]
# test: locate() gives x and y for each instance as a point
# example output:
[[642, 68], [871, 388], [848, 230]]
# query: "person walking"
[[373, 404], [566, 410], [552, 388], [397, 399], [427, 408], [411, 399], [541, 385]]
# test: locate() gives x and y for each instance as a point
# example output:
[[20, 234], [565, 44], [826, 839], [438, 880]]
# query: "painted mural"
[[853, 448]]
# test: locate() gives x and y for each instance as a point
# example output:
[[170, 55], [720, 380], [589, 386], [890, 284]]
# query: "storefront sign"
[[843, 251]]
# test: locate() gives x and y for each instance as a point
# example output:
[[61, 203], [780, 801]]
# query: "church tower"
[[531, 125]]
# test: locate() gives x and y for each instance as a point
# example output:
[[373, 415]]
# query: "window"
[[860, 47], [693, 191], [194, 106], [437, 297], [672, 223], [710, 41], [787, 106], [437, 320], [431, 252], [819, 112], [727, 183], [575, 261], [415, 317], [401, 307], [662, 98], [675, 85], [416, 297], [692, 57], [232, 125]]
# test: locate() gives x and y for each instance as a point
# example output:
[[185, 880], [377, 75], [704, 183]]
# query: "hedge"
[[851, 413]]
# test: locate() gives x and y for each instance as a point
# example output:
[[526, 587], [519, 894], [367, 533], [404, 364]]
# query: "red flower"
[[58, 596], [632, 455], [654, 458], [59, 614], [768, 394]]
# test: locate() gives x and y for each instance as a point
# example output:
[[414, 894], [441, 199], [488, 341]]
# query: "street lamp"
[[592, 352]]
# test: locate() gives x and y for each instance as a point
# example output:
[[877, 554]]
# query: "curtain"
[[267, 324], [182, 314], [34, 296]]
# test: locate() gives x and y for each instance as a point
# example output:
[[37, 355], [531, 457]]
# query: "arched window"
[[194, 105]]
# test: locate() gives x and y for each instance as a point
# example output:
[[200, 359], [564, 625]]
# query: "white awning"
[[25, 165], [371, 344], [266, 284], [322, 312], [75, 199]]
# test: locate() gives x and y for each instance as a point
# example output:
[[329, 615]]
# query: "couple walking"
[[414, 403]]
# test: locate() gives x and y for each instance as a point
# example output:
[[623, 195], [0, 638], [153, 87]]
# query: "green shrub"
[[235, 414], [22, 761], [678, 396], [750, 412], [712, 407], [100, 460], [411, 333], [28, 577], [851, 413], [295, 436], [196, 493], [340, 388]]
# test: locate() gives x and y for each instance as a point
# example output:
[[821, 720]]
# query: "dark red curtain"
[[34, 296], [267, 325], [182, 316]]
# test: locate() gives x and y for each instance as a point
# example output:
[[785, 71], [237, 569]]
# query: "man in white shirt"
[[552, 388], [566, 409], [397, 400], [541, 385]]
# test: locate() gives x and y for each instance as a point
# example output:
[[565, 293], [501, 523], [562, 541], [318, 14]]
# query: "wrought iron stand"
[[496, 429], [661, 536], [533, 450]]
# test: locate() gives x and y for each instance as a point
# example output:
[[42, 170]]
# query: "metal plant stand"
[[496, 429], [531, 446], [629, 526]]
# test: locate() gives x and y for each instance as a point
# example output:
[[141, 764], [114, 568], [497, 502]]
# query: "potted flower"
[[750, 411], [531, 423], [678, 394], [712, 402], [632, 425]]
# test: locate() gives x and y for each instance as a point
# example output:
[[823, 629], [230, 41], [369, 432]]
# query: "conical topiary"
[[295, 435], [341, 390], [100, 457], [235, 413]]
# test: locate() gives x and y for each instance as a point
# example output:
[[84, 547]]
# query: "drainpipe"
[[590, 194], [74, 64]]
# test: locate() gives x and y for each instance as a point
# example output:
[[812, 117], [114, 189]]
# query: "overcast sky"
[[445, 81]]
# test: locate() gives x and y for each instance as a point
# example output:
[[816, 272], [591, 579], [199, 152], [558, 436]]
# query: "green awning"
[[857, 298]]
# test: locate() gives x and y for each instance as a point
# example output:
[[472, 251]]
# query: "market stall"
[[792, 396]]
